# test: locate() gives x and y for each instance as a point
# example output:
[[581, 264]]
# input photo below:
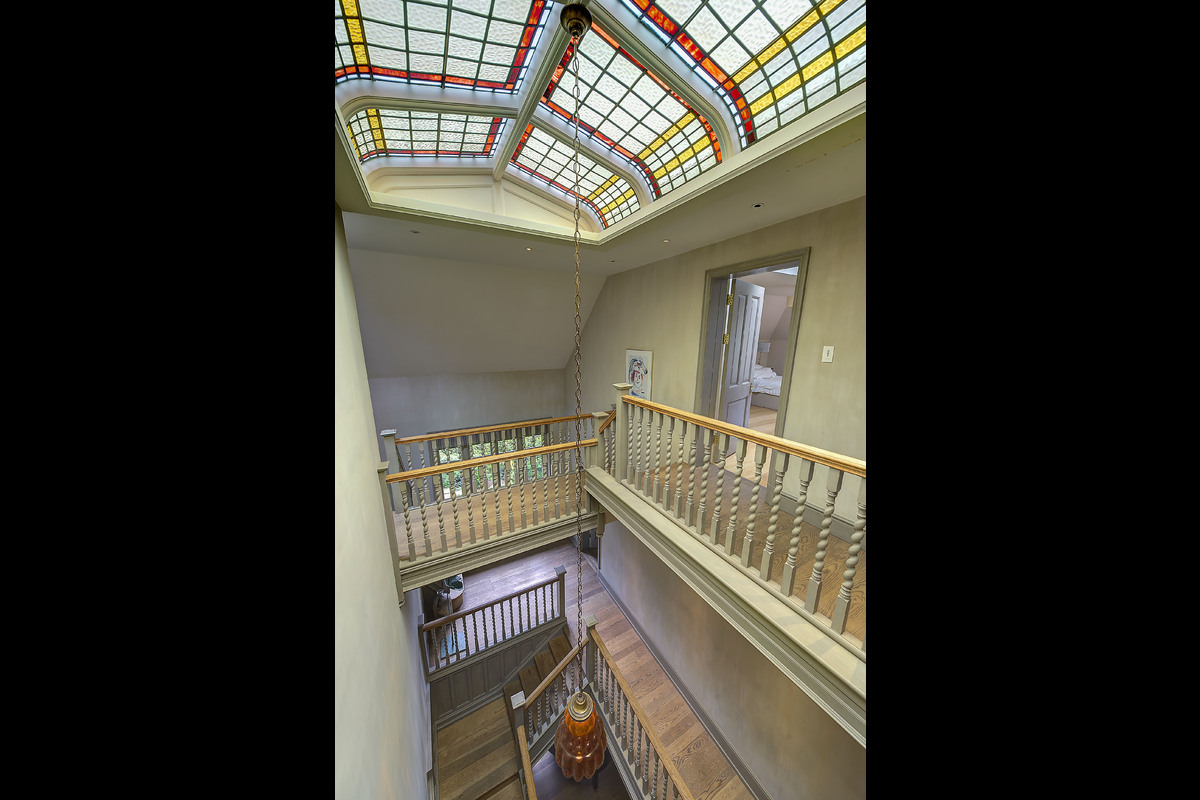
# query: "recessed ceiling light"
[[414, 231], [528, 248], [666, 240], [758, 205]]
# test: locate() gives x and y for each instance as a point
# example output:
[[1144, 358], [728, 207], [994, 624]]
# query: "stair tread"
[[560, 647], [545, 663], [477, 754], [509, 791], [476, 731], [530, 680]]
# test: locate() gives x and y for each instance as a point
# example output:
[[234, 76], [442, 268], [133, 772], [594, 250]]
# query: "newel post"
[[393, 545], [622, 467], [517, 705], [589, 661], [560, 574], [389, 447]]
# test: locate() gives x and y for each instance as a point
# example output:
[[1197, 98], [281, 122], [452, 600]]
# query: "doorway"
[[747, 355]]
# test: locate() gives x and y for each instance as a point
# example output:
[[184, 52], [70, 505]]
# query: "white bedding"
[[764, 380]]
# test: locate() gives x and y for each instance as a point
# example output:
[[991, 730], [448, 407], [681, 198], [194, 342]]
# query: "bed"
[[764, 385]]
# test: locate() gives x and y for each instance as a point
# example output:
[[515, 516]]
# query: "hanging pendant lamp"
[[579, 741]]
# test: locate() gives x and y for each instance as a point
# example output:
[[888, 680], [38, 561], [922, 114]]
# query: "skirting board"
[[744, 772]]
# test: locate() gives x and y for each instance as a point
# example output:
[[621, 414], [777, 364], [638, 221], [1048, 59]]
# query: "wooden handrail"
[[526, 766], [446, 620], [612, 415], [472, 463], [489, 429], [854, 466], [640, 713], [554, 673]]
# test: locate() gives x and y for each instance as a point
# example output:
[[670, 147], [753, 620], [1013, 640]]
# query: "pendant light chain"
[[578, 390]]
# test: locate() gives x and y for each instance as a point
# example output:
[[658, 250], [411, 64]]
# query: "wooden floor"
[[704, 767]]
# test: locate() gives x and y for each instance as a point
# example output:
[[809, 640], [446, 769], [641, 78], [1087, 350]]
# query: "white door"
[[744, 320]]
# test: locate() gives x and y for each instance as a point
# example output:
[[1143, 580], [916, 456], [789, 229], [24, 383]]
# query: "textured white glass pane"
[[491, 73], [389, 59], [756, 33], [515, 10], [589, 73], [611, 88], [468, 25], [600, 104], [610, 130], [623, 70], [384, 35], [706, 30], [679, 10], [478, 6], [731, 11], [837, 15], [596, 49], [589, 117], [339, 32], [623, 121], [785, 13], [430, 18], [465, 48], [389, 10], [730, 56], [496, 54], [421, 63], [505, 33], [460, 68], [424, 42], [657, 123], [647, 89]]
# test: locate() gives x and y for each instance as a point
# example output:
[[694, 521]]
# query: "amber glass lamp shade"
[[579, 742]]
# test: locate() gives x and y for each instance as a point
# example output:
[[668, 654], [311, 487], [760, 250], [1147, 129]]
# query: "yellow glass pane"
[[360, 54], [800, 27], [851, 42], [761, 103], [354, 28], [824, 62], [350, 8]]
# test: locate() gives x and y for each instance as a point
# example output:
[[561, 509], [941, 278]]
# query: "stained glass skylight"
[[476, 44], [771, 61], [549, 160], [385, 131], [634, 113]]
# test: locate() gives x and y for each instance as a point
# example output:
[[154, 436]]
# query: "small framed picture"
[[637, 371]]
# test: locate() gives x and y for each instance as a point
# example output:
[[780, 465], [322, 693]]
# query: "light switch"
[[827, 353]]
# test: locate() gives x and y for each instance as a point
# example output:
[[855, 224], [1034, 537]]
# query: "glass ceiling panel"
[[391, 132], [475, 44], [631, 111], [549, 160], [771, 61]]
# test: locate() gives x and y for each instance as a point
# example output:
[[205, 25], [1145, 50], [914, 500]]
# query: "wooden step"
[[530, 678], [509, 790], [477, 754], [560, 646], [545, 663]]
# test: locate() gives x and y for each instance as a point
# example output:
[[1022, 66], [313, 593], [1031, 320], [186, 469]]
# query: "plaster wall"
[[660, 307], [381, 704], [424, 403], [789, 743]]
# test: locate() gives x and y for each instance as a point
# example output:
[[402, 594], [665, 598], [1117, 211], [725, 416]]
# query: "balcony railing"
[[488, 493], [452, 640], [723, 484]]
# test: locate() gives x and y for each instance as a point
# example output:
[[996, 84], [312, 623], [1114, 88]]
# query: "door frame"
[[712, 350]]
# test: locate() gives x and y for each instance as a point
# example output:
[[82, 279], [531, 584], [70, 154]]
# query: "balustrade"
[[726, 509], [502, 474], [450, 640]]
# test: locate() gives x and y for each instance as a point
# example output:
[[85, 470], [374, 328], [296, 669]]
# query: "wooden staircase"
[[477, 755]]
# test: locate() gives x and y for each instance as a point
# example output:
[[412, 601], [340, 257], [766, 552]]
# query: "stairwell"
[[477, 756]]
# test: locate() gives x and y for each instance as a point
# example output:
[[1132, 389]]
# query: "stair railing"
[[632, 739], [680, 462], [539, 713], [448, 642], [498, 494], [526, 763]]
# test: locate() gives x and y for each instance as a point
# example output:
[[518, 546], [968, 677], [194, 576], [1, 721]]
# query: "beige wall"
[[659, 307], [424, 403], [381, 714], [789, 743]]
